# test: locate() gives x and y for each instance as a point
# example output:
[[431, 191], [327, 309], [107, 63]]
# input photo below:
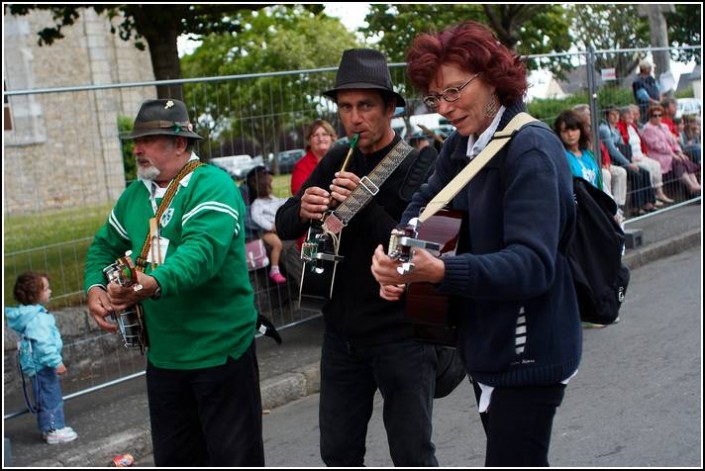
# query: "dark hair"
[[257, 184], [472, 47], [609, 109], [28, 287], [572, 120]]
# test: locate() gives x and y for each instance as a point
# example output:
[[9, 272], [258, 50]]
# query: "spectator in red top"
[[670, 106], [320, 138]]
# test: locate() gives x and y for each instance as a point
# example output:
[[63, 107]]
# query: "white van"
[[237, 166]]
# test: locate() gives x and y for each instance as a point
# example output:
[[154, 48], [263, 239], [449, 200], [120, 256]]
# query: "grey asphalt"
[[116, 421]]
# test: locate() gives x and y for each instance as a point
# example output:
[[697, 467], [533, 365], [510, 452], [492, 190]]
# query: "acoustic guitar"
[[426, 307]]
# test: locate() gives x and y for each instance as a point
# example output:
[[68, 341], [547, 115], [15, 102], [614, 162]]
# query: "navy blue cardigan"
[[511, 288]]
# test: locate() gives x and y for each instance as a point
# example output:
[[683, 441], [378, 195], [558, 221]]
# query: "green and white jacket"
[[206, 311]]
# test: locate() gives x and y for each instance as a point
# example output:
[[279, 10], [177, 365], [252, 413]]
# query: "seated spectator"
[[663, 147], [642, 195], [614, 177], [631, 136], [670, 107], [576, 141], [263, 209], [689, 134], [252, 230], [636, 113]]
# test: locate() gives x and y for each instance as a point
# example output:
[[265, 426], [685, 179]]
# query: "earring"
[[492, 107]]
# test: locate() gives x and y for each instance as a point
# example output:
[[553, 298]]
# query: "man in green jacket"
[[193, 285]]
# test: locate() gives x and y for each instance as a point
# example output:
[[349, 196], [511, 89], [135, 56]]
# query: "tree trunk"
[[165, 62]]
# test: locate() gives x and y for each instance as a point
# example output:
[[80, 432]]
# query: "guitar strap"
[[368, 187], [166, 201], [499, 140]]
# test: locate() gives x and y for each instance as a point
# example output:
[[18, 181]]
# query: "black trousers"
[[639, 186], [518, 424], [207, 417]]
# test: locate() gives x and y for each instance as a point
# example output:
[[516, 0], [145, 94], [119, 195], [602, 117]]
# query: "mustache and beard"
[[147, 173]]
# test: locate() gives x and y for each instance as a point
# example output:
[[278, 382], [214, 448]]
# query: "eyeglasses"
[[450, 95], [656, 115]]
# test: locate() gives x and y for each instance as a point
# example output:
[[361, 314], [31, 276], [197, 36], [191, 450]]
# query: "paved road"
[[635, 402]]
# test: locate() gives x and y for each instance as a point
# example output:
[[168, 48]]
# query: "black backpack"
[[595, 255]]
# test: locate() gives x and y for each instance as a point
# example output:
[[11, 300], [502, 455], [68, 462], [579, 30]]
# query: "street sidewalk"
[[116, 420]]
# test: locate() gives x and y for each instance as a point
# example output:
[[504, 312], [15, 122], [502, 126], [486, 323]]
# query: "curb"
[[303, 381], [100, 453], [290, 386], [676, 244], [275, 392]]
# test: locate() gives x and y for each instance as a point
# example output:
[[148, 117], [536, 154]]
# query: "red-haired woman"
[[509, 284]]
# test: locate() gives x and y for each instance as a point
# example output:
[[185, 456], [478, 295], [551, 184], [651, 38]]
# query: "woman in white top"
[[631, 136]]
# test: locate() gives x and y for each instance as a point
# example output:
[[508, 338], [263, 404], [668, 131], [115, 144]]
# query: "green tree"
[[610, 27], [684, 29], [524, 28], [619, 26], [267, 109], [159, 25], [127, 148]]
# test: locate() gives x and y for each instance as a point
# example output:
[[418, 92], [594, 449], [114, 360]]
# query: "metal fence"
[[63, 167]]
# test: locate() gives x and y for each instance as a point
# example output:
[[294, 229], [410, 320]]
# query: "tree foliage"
[[269, 112], [608, 27], [160, 25], [620, 26], [524, 28], [684, 29]]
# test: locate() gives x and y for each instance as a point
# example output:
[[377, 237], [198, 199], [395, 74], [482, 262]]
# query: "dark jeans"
[[518, 424], [207, 417], [405, 374], [640, 189]]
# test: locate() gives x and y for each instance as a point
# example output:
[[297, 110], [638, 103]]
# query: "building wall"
[[64, 149]]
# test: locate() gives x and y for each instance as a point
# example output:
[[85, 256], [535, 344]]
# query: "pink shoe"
[[277, 278]]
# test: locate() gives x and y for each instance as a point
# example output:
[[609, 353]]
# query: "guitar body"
[[318, 274], [425, 306]]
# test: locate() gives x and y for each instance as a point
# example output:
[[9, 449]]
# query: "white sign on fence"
[[608, 74]]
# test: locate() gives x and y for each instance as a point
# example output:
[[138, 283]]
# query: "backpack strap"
[[499, 140]]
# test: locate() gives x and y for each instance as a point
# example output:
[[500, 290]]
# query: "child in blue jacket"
[[40, 353]]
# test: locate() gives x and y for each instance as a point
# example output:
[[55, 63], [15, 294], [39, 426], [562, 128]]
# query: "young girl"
[[576, 142], [263, 209], [40, 354]]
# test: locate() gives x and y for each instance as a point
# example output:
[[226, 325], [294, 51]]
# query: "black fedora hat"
[[167, 117], [363, 69]]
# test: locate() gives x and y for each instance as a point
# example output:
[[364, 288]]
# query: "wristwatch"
[[158, 293]]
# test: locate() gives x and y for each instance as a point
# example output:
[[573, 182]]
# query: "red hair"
[[474, 48]]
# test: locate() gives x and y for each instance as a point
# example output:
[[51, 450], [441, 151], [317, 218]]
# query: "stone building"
[[63, 150]]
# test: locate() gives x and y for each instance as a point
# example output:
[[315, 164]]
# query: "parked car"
[[237, 166], [288, 159], [689, 106]]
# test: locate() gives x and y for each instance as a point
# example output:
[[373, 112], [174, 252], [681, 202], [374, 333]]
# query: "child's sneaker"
[[277, 277], [62, 435]]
